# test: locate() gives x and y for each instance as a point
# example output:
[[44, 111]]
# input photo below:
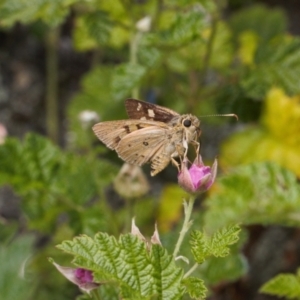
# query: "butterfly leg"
[[175, 163], [196, 146]]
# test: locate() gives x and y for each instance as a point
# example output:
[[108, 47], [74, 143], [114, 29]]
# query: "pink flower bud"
[[83, 278], [198, 178]]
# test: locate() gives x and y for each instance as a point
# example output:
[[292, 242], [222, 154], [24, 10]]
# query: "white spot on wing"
[[139, 107], [151, 113]]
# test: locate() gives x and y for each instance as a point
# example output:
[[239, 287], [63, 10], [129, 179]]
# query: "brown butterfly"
[[153, 134]]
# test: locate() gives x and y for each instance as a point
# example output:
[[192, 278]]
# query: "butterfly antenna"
[[221, 115]]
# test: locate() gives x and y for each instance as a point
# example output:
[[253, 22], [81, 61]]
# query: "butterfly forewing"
[[141, 110], [112, 132]]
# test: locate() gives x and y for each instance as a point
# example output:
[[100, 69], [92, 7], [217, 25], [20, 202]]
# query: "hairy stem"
[[52, 122], [191, 270], [188, 208]]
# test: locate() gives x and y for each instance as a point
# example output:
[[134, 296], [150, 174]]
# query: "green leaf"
[[186, 27], [217, 245], [92, 30], [219, 269], [148, 55], [49, 180], [99, 26], [195, 287], [12, 257], [266, 23], [199, 246], [223, 238], [51, 12], [260, 193], [140, 272], [276, 64], [283, 285], [126, 77]]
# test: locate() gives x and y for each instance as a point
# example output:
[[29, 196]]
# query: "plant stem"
[[130, 206], [95, 294], [188, 208], [51, 42], [191, 270], [134, 46]]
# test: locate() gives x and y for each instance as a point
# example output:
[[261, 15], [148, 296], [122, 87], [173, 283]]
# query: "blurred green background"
[[68, 64]]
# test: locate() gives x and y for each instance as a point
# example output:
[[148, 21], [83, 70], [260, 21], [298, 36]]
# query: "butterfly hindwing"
[[141, 110]]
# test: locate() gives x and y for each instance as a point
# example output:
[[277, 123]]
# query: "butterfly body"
[[153, 134]]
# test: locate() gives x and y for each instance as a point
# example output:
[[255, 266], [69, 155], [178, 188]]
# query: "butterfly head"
[[191, 125]]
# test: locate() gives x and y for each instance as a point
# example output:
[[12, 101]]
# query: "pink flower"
[[198, 178], [83, 278]]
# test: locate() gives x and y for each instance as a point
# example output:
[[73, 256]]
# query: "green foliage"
[[224, 269], [51, 12], [274, 139], [260, 193], [275, 64], [217, 245], [126, 77], [92, 30], [185, 28], [195, 287], [267, 57], [187, 54], [140, 272], [13, 257], [51, 181], [264, 22], [283, 285]]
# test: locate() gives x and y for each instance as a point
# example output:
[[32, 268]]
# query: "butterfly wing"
[[112, 132], [141, 110], [153, 144]]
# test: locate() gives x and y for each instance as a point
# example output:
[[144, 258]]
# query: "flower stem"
[[191, 270], [96, 295], [188, 207]]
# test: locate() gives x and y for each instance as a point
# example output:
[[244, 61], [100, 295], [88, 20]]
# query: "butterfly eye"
[[187, 123]]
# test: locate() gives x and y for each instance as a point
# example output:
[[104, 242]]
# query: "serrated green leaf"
[[217, 245], [138, 271], [49, 180], [125, 78], [195, 287], [199, 246], [184, 29], [277, 63], [283, 285], [166, 275], [99, 26], [260, 193], [223, 238], [92, 30]]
